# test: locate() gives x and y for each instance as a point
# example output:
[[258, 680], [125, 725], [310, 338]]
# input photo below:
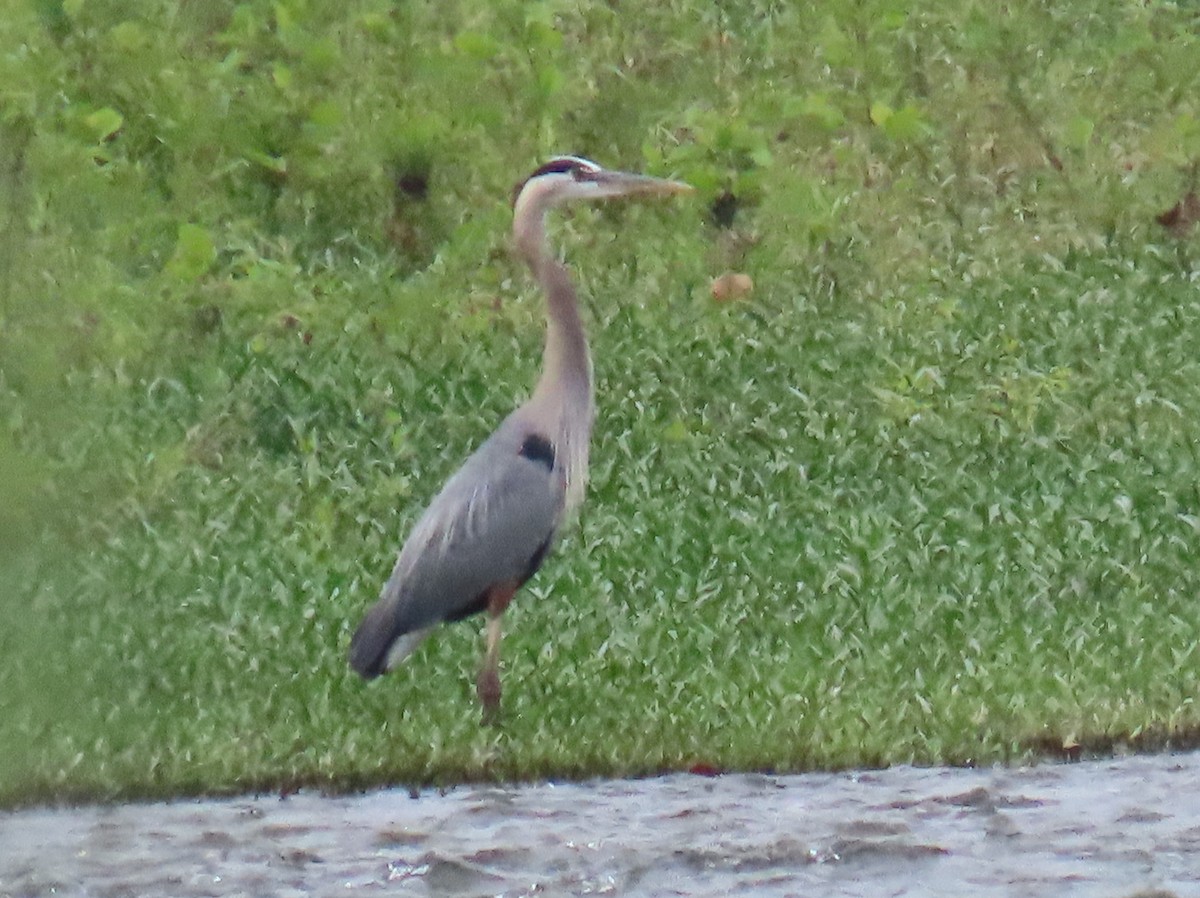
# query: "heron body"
[[489, 529], [491, 525]]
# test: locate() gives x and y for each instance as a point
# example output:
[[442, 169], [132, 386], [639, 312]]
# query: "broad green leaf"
[[477, 45], [285, 22], [104, 123], [676, 432], [892, 16], [376, 24], [834, 45], [761, 156], [194, 253], [1079, 131], [322, 54], [904, 124], [325, 115], [818, 109], [129, 36], [880, 113], [549, 79]]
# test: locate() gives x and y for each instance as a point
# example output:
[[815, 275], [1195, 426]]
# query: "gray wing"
[[491, 523]]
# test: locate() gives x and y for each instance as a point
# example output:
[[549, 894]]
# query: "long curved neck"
[[566, 361], [562, 399]]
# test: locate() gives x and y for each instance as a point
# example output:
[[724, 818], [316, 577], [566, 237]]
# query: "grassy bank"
[[929, 495]]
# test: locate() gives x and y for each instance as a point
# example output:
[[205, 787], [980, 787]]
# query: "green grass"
[[930, 495]]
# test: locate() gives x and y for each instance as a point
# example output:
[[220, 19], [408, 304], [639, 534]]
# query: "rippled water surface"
[[1108, 828]]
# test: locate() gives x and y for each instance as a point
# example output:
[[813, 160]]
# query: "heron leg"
[[487, 686]]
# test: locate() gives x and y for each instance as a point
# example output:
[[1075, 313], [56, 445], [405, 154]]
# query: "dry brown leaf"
[[1180, 218], [732, 285]]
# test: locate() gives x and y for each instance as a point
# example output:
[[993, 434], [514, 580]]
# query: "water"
[[1112, 828]]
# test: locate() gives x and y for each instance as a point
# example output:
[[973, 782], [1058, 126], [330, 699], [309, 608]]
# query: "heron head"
[[566, 178]]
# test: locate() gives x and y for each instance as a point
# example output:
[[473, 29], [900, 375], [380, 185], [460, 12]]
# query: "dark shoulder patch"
[[537, 448]]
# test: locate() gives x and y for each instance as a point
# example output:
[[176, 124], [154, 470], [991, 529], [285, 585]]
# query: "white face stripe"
[[586, 163]]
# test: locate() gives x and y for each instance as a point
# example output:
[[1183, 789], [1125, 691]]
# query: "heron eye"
[[579, 173]]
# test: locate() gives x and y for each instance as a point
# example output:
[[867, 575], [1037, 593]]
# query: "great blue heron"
[[490, 527]]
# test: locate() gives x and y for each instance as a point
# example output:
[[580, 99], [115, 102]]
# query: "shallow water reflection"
[[1106, 828]]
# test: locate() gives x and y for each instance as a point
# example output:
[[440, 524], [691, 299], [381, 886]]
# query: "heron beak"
[[619, 183]]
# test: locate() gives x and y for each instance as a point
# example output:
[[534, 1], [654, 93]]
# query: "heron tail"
[[378, 646]]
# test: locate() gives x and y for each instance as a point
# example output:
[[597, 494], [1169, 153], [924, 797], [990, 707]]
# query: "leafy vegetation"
[[929, 495]]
